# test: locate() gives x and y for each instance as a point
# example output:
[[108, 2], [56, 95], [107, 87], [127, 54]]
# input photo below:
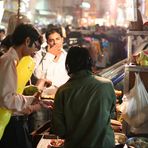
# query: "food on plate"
[[56, 143], [30, 90], [45, 96], [49, 93], [120, 138]]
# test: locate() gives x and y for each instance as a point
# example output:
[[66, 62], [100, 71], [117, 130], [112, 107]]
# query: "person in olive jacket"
[[83, 105]]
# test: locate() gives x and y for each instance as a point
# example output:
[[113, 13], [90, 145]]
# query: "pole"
[[18, 11]]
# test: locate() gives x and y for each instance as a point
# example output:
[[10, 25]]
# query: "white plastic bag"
[[135, 104]]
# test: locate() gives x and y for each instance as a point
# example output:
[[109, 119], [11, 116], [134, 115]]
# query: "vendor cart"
[[130, 70]]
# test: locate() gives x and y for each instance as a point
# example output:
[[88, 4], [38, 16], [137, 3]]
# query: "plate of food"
[[56, 143], [49, 92], [120, 138], [51, 141]]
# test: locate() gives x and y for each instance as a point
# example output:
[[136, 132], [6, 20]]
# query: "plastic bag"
[[5, 115], [135, 104], [142, 58], [24, 71]]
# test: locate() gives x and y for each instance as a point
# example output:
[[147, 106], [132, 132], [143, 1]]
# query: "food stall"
[[137, 64]]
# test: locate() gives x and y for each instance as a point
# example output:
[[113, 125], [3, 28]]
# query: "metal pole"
[[18, 11], [129, 47]]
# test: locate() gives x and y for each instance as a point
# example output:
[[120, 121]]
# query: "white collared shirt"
[[47, 68], [8, 84]]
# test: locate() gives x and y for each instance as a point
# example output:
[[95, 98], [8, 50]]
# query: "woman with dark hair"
[[83, 105]]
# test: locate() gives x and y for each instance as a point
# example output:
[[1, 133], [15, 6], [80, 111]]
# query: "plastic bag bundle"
[[24, 71], [135, 104], [137, 99]]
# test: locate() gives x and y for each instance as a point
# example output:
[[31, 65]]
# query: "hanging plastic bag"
[[24, 71], [135, 104]]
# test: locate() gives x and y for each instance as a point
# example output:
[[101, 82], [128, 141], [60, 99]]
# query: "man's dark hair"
[[78, 58], [22, 31], [52, 30]]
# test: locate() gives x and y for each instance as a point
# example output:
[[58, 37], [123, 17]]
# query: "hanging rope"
[[18, 11]]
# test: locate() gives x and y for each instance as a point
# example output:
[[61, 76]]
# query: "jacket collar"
[[81, 74]]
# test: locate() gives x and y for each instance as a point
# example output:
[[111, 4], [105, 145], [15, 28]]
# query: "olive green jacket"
[[82, 111]]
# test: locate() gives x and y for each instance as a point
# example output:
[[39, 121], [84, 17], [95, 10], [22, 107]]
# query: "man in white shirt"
[[50, 61], [50, 67]]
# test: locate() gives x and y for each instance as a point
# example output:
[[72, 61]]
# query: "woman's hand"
[[47, 103]]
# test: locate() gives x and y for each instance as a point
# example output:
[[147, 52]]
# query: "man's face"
[[55, 39]]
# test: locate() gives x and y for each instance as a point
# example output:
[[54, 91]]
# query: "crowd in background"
[[108, 45]]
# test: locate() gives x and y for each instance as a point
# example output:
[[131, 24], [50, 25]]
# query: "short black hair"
[[22, 31], [78, 58], [52, 30]]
